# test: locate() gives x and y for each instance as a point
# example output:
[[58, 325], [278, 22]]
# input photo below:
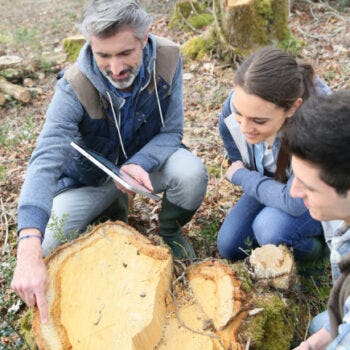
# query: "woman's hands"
[[233, 168]]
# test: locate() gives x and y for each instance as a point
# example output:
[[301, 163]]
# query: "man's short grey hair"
[[104, 18]]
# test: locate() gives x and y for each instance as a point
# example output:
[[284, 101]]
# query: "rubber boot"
[[171, 219]]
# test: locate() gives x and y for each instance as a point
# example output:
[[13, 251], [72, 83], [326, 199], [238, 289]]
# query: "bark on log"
[[16, 91]]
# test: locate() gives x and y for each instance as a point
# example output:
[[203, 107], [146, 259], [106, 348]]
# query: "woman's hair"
[[277, 77], [104, 18]]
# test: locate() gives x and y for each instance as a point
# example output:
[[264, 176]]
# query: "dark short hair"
[[319, 132]]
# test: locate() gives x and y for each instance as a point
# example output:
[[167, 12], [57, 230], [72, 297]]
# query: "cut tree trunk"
[[107, 291], [16, 91], [240, 27], [245, 25], [113, 289]]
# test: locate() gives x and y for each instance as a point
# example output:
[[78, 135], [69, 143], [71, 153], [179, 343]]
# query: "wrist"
[[29, 243]]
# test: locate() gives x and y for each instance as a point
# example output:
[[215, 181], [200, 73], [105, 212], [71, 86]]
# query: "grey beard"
[[123, 84]]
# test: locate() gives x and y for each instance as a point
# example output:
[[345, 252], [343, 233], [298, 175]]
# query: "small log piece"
[[16, 91], [273, 266]]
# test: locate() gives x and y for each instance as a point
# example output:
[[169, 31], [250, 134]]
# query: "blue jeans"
[[319, 321], [249, 220], [183, 177]]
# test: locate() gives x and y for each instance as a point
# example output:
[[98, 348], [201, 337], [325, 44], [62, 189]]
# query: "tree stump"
[[107, 291], [240, 27], [273, 266], [113, 289]]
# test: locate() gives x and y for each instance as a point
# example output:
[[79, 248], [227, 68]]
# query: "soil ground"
[[33, 30]]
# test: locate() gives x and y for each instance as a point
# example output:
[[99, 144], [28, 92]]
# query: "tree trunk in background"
[[242, 26], [239, 28]]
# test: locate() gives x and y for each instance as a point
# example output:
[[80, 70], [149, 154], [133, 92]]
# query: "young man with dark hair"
[[318, 136]]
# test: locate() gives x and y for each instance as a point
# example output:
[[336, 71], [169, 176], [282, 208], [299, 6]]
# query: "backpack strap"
[[88, 96], [168, 54]]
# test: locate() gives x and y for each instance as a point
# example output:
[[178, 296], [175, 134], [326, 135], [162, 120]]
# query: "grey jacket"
[[157, 129]]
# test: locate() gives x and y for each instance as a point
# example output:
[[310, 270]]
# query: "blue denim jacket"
[[55, 166], [254, 181]]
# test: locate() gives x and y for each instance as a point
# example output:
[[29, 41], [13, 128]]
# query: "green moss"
[[279, 29], [11, 74], [251, 26], [273, 327], [201, 20], [26, 330], [197, 47], [292, 44], [242, 273], [72, 47], [189, 14]]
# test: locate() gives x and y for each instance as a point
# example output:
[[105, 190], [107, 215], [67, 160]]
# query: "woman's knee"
[[269, 227]]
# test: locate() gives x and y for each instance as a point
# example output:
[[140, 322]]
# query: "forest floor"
[[33, 30]]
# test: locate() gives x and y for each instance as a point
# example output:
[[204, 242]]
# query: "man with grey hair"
[[122, 99]]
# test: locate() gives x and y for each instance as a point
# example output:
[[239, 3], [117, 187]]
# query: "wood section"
[[107, 291], [110, 290], [217, 290], [196, 320], [16, 91], [273, 266]]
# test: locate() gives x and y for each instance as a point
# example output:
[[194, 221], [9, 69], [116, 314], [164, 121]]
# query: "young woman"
[[268, 88]]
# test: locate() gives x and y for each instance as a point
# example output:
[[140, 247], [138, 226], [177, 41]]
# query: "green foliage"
[[291, 44], [190, 15], [27, 37], [208, 232], [56, 225], [27, 331], [45, 65], [243, 274], [10, 306], [197, 47], [2, 173], [201, 20], [214, 170], [11, 137]]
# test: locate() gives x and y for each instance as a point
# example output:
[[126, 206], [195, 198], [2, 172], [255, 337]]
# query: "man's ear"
[[298, 102], [145, 39]]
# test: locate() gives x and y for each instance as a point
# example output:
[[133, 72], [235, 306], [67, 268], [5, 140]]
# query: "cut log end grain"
[[110, 289], [96, 302], [273, 265]]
